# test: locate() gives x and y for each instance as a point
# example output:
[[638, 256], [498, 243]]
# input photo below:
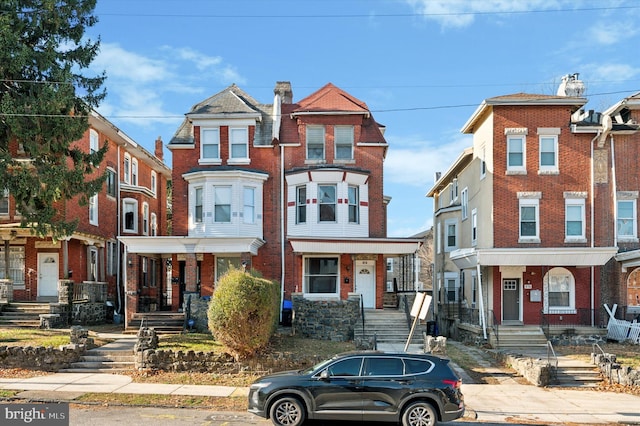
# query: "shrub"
[[244, 311]]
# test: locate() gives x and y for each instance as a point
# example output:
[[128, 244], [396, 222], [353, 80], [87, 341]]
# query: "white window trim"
[[451, 276], [571, 309], [145, 218], [634, 236], [535, 202], [207, 160], [238, 160], [153, 227], [320, 295], [154, 182], [573, 202], [195, 204], [447, 223], [229, 190], [464, 203], [351, 143], [127, 168], [6, 195], [134, 172], [93, 210], [474, 226], [520, 169], [134, 203], [548, 169], [94, 144], [324, 144], [453, 193], [252, 219], [483, 162]]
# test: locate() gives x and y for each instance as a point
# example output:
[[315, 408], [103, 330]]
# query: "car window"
[[346, 367], [417, 366], [384, 367]]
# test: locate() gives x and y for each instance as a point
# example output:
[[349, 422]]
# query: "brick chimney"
[[158, 152], [283, 88]]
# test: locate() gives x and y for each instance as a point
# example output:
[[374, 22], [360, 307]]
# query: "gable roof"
[[330, 99]]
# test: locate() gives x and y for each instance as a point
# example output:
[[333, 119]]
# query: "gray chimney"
[[283, 88]]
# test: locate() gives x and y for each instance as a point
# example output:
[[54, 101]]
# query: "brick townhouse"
[[536, 222], [291, 189], [131, 202]]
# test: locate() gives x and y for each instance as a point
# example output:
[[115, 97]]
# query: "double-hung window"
[[145, 219], [93, 210], [474, 227], [529, 220], [222, 204], [626, 222], [354, 204], [575, 219], [93, 141], [327, 203], [127, 168], [134, 172], [516, 161], [154, 182], [548, 152], [249, 208], [301, 204], [315, 142], [239, 140], [464, 203], [111, 182], [210, 144], [198, 215], [343, 136], [451, 229], [321, 275]]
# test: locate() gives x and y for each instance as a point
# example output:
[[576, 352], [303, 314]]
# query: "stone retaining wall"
[[616, 372], [40, 358], [535, 371], [325, 319]]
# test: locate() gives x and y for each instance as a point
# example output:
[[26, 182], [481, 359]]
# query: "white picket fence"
[[621, 330]]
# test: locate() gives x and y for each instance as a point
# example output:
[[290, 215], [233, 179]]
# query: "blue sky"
[[422, 66]]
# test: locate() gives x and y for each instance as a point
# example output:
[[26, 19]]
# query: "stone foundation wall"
[[199, 308], [325, 319], [537, 372]]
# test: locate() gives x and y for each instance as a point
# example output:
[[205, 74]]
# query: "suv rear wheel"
[[287, 411], [419, 414]]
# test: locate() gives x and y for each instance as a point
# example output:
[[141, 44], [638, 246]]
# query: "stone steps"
[[23, 314], [162, 322], [115, 357], [388, 326]]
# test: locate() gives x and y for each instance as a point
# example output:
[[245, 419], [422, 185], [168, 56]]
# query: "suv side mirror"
[[324, 375]]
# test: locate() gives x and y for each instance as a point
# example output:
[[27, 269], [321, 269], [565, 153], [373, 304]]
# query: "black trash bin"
[[287, 312]]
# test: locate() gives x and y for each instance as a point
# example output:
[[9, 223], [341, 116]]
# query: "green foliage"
[[45, 102], [244, 312]]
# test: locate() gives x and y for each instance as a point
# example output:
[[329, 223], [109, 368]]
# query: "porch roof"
[[386, 246], [559, 256], [629, 259], [176, 245]]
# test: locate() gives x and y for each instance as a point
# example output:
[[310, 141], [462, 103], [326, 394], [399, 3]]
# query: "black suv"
[[415, 389]]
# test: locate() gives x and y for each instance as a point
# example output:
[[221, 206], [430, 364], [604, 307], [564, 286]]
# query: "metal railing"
[[90, 291], [495, 327], [582, 317], [552, 360], [407, 310]]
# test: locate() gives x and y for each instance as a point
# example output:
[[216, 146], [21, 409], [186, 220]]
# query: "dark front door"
[[511, 299]]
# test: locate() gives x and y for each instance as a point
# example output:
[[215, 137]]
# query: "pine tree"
[[45, 102]]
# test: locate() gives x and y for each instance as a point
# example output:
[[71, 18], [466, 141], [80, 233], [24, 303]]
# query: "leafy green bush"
[[244, 311]]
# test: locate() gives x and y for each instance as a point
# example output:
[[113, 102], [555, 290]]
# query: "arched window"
[[559, 292], [633, 290]]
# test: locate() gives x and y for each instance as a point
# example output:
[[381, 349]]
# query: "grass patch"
[[8, 393], [33, 337], [197, 342], [145, 400]]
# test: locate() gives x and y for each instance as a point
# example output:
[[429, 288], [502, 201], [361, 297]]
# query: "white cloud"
[[461, 13], [414, 162]]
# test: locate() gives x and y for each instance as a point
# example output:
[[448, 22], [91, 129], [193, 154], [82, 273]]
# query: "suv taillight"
[[453, 383]]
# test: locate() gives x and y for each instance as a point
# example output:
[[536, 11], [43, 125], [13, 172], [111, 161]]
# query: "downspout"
[[121, 275], [615, 193], [592, 224], [283, 203], [483, 321]]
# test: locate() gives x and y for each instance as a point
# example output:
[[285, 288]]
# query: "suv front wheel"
[[419, 414], [287, 411]]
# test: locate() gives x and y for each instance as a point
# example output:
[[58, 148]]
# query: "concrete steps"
[[518, 337], [388, 326], [116, 357], [23, 314], [161, 322], [577, 376]]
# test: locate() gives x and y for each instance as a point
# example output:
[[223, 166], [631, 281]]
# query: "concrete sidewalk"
[[506, 401]]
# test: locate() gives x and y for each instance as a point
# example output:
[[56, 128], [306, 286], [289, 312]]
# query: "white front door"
[[366, 282], [48, 270]]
